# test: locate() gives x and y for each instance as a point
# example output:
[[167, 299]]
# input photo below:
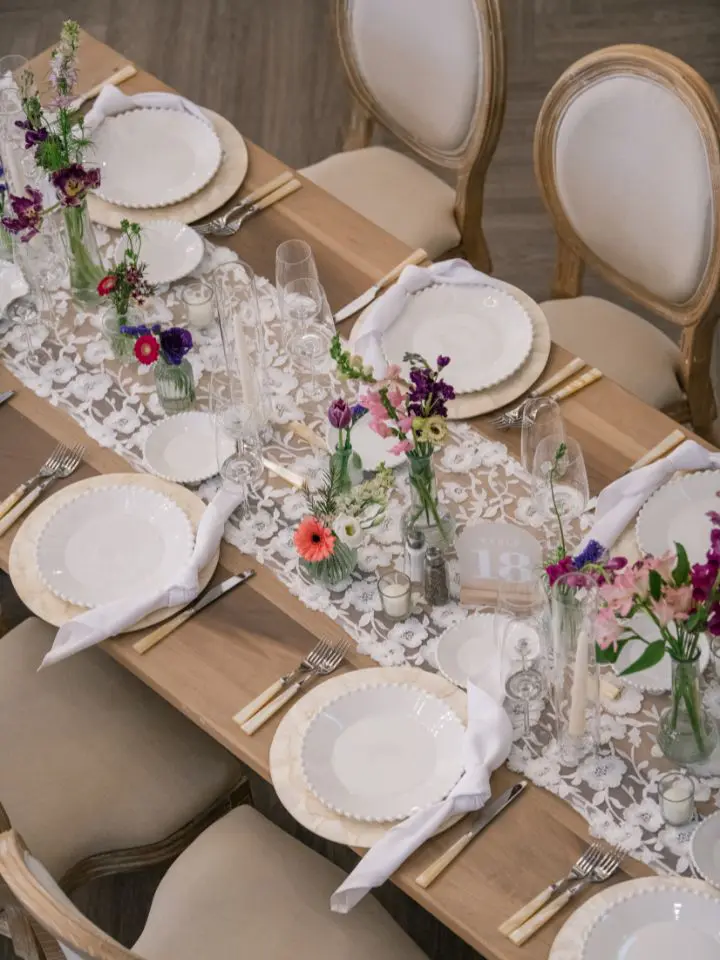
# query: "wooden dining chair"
[[627, 158], [433, 74], [243, 890], [98, 772]]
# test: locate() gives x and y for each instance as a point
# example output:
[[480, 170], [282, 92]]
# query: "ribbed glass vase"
[[175, 385]]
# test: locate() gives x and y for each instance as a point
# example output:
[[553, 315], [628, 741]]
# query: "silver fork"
[[311, 662], [47, 469], [582, 866], [330, 662], [575, 366], [217, 224], [514, 418], [228, 228], [602, 871], [70, 461]]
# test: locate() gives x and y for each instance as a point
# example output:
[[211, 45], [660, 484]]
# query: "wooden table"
[[210, 667]]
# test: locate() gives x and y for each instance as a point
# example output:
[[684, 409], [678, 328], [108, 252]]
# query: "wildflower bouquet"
[[343, 418], [126, 281], [153, 343]]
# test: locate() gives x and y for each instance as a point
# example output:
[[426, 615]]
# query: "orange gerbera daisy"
[[313, 540]]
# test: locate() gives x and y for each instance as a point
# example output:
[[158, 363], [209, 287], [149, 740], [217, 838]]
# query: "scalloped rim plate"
[[183, 448], [153, 157], [170, 250], [111, 543], [705, 849], [467, 649], [380, 753], [485, 331], [662, 924], [667, 510]]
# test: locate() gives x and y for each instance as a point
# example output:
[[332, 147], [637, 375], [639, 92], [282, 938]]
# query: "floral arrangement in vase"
[[125, 286], [414, 412], [337, 523], [58, 142], [166, 350], [343, 418]]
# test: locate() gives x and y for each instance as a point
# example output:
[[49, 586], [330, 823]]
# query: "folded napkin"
[[487, 745], [385, 310], [99, 623], [111, 101], [621, 500]]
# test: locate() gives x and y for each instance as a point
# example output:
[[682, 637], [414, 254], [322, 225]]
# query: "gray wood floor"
[[272, 68]]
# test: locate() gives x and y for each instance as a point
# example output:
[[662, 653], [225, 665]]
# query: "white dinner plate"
[[656, 924], [152, 157], [657, 679], [678, 512], [183, 448], [369, 446], [380, 753], [170, 250], [705, 849], [486, 333], [111, 543], [467, 651]]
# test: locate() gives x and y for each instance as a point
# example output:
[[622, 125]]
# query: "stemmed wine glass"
[[311, 329], [237, 439], [294, 260], [520, 624], [559, 479], [541, 418]]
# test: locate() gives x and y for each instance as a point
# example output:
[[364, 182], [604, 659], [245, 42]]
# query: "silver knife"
[[6, 396], [477, 824], [359, 303], [148, 642]]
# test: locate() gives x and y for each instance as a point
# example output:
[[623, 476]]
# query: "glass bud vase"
[[425, 512], [340, 459], [336, 569], [175, 385], [85, 265], [687, 733], [121, 344], [6, 244]]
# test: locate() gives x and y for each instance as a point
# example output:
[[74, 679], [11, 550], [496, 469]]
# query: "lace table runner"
[[116, 405]]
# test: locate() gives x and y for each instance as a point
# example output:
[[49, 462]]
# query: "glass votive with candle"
[[677, 798], [199, 307], [395, 595]]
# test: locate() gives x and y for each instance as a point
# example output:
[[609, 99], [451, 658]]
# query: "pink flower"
[[608, 628], [675, 604], [392, 372], [371, 400], [381, 428], [664, 564], [404, 446], [405, 424], [619, 594], [395, 397]]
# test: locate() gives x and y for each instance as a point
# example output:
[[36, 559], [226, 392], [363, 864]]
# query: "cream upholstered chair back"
[[28, 891], [433, 73], [627, 157]]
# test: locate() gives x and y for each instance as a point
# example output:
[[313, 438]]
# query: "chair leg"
[[137, 858], [696, 346]]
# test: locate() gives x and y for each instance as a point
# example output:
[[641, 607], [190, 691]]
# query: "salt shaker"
[[437, 589], [415, 549]]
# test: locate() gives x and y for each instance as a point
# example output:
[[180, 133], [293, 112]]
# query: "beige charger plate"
[[475, 404], [23, 565], [226, 182], [285, 767]]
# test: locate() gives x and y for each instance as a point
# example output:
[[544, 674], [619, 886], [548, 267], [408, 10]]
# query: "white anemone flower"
[[349, 530]]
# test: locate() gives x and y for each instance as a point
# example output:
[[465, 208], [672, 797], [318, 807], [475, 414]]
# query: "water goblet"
[[541, 418], [237, 439], [311, 331], [520, 625], [559, 479]]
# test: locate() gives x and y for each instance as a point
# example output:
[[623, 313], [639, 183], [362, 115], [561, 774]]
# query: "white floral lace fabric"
[[115, 403]]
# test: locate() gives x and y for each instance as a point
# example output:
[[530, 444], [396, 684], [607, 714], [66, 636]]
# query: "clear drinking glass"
[[520, 626], [12, 149], [559, 479], [237, 439], [294, 260], [574, 671], [541, 418], [311, 329]]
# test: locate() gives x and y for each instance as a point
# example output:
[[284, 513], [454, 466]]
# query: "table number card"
[[490, 552]]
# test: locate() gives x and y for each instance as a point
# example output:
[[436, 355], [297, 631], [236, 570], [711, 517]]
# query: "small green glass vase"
[[175, 385], [425, 512], [334, 571], [121, 344], [85, 266]]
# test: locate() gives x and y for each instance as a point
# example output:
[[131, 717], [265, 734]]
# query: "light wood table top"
[[211, 666]]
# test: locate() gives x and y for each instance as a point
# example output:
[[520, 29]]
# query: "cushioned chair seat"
[[627, 348], [394, 192], [91, 759], [246, 889]]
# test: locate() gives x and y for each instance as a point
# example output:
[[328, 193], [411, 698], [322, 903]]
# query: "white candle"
[[578, 695], [677, 799], [395, 595], [198, 300]]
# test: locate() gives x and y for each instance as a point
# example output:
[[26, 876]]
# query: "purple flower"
[[339, 414], [358, 411], [559, 569], [442, 362], [703, 576], [175, 343], [28, 214], [72, 183], [140, 331], [593, 553], [616, 563]]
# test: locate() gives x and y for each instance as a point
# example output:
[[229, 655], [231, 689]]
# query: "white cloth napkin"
[[622, 499], [111, 101], [385, 310], [487, 745], [99, 623]]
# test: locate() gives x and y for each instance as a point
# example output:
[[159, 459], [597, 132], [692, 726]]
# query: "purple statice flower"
[[27, 214], [358, 411], [72, 183], [339, 414], [428, 394], [593, 553], [140, 331], [175, 343]]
